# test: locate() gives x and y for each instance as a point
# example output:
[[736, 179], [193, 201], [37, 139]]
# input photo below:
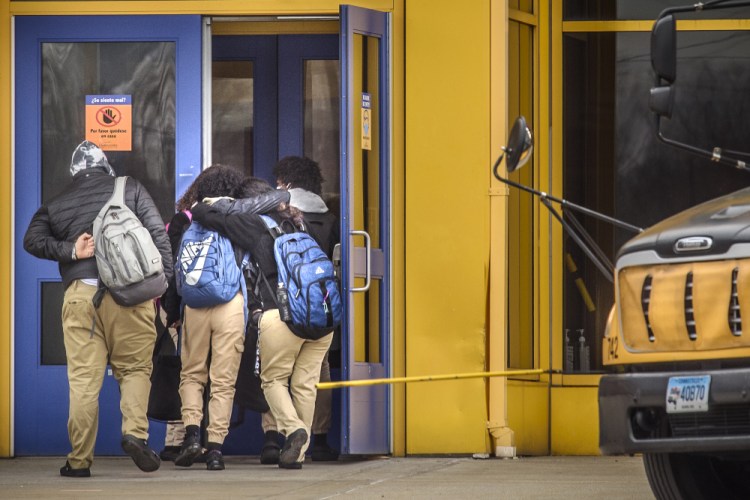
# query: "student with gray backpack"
[[290, 353], [116, 331]]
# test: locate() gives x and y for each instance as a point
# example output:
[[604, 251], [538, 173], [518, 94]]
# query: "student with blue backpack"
[[302, 178], [210, 283], [294, 335], [172, 302]]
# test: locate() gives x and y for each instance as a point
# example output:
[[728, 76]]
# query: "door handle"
[[368, 272], [336, 259]]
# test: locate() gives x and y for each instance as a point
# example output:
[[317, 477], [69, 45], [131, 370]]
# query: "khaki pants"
[[323, 402], [126, 336], [220, 331], [322, 415], [290, 368]]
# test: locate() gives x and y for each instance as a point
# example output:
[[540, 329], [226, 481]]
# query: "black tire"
[[684, 476]]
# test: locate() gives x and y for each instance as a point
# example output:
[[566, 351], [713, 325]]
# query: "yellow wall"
[[6, 224], [447, 226], [212, 8], [575, 426], [528, 416]]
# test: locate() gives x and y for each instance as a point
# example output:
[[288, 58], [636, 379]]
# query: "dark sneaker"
[[290, 456], [68, 471], [190, 451], [323, 453], [144, 457], [214, 460], [169, 453], [269, 454]]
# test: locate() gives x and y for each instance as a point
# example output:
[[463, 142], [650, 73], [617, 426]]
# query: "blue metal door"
[[365, 219], [280, 94], [291, 82], [59, 60]]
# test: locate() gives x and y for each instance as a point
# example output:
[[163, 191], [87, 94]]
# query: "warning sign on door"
[[366, 122], [109, 122]]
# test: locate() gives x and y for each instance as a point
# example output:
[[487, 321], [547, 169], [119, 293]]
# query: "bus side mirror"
[[520, 145], [664, 48], [661, 100]]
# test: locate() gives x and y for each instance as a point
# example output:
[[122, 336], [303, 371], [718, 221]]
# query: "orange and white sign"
[[109, 122]]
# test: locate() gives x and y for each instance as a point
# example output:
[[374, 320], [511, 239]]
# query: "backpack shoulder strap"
[[273, 228], [118, 196]]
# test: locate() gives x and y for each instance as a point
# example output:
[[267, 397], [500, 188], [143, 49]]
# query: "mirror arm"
[[717, 155], [588, 239], [699, 7], [608, 273], [565, 203]]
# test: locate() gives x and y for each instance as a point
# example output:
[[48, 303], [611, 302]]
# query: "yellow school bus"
[[677, 341]]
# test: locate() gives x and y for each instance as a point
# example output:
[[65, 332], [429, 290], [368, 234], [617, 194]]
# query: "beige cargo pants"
[[220, 331]]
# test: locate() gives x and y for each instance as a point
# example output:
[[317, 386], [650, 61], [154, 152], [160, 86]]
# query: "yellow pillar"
[[6, 224], [503, 442]]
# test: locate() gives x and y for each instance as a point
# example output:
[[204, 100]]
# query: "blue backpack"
[[206, 269], [311, 285]]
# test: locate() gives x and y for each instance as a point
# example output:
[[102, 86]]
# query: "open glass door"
[[365, 234], [66, 66]]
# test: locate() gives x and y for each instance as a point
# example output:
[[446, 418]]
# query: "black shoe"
[[323, 453], [68, 471], [214, 460], [289, 458], [169, 453], [144, 457], [269, 454], [190, 451]]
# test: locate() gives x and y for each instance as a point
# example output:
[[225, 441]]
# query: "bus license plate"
[[688, 394]]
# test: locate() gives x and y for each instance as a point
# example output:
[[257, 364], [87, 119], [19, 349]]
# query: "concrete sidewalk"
[[444, 477]]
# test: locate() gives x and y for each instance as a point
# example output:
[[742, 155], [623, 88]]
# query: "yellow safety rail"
[[424, 378]]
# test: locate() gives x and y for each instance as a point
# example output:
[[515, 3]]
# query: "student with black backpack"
[[290, 354]]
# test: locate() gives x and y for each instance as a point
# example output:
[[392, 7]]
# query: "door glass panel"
[[321, 120], [53, 348], [145, 71], [366, 193], [232, 114], [521, 229], [522, 5]]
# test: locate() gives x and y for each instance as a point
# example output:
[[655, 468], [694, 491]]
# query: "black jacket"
[[248, 231], [54, 228], [171, 301]]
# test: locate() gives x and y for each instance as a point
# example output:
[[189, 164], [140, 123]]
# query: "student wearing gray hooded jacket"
[[301, 176], [61, 230]]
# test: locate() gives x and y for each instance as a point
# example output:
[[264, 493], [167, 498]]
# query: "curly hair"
[[299, 172], [253, 186], [216, 180]]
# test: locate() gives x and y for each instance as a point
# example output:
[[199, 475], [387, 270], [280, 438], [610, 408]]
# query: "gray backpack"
[[129, 263]]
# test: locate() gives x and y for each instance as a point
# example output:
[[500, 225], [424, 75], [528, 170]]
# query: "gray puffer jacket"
[[55, 227]]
